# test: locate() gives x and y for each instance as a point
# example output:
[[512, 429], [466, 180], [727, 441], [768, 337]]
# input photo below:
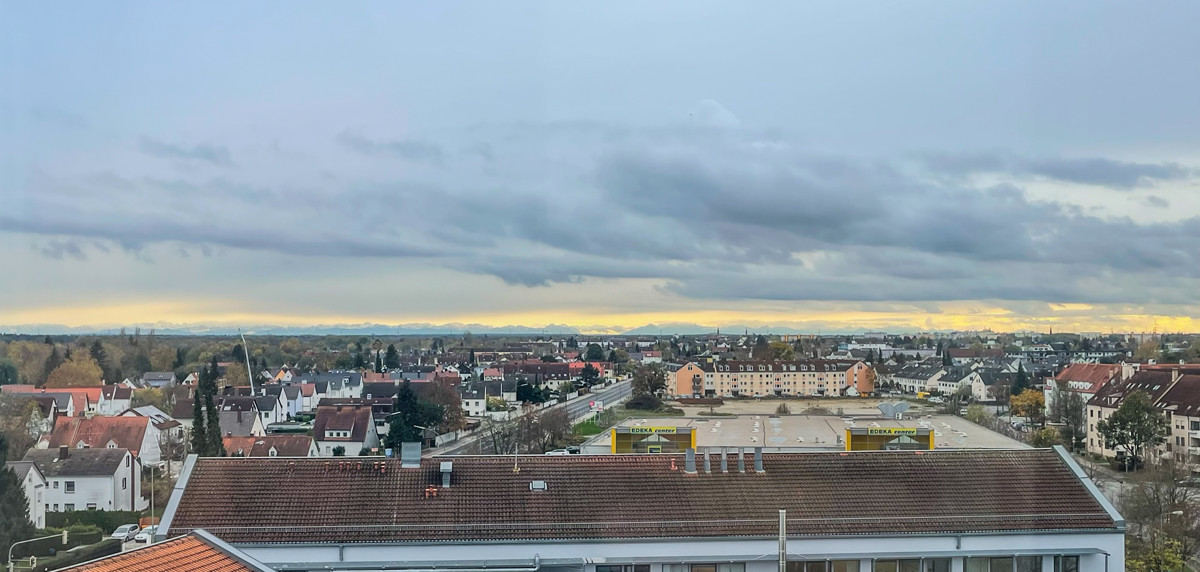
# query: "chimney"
[[758, 467], [447, 468], [410, 455], [724, 461], [690, 462], [63, 452], [707, 463], [741, 460], [1174, 375]]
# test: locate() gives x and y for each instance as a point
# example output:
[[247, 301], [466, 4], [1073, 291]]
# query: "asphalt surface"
[[576, 409]]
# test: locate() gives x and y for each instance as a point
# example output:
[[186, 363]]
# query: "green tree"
[[214, 447], [101, 357], [648, 380], [593, 353], [1022, 381], [781, 351], [391, 359], [548, 358], [762, 349], [947, 361], [14, 507], [199, 437], [54, 360], [378, 363], [527, 393], [8, 372], [410, 417], [1136, 426], [589, 376], [339, 451]]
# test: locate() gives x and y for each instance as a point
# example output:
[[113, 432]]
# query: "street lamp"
[[10, 548], [152, 517]]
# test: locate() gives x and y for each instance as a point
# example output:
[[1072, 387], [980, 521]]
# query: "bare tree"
[[1161, 505], [497, 437]]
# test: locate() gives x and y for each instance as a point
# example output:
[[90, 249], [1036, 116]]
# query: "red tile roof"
[[1095, 374], [196, 552], [126, 432], [637, 496], [285, 445], [353, 418]]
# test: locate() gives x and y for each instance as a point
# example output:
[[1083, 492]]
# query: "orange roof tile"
[[196, 552], [126, 432]]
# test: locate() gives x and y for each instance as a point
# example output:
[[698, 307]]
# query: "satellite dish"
[[899, 408], [887, 409]]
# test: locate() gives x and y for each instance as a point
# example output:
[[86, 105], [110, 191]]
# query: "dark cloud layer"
[[716, 213]]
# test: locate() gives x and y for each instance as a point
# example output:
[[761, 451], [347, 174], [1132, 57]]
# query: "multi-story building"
[[735, 378], [34, 483], [89, 479], [1174, 391], [927, 511]]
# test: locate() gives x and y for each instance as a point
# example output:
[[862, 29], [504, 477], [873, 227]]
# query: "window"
[[1195, 425], [55, 507], [910, 565], [127, 460], [124, 483], [91, 506], [824, 566], [1066, 564], [1004, 564], [68, 506], [69, 486], [55, 485], [1029, 564], [937, 565], [624, 568], [734, 567]]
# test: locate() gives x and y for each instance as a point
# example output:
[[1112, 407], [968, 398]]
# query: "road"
[[576, 409]]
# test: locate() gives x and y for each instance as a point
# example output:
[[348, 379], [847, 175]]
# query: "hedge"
[[80, 534], [107, 520], [107, 547]]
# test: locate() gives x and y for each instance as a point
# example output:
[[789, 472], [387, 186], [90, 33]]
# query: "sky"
[[601, 166]]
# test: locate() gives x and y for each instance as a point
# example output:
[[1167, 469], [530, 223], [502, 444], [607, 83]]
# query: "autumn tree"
[[236, 374], [79, 371], [1161, 509], [30, 359], [1134, 427], [781, 351], [447, 398], [1029, 404], [1070, 409]]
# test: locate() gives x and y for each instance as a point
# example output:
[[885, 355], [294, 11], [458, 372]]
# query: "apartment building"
[[808, 378], [1175, 391]]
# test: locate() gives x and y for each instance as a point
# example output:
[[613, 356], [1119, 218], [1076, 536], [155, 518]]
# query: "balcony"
[[1194, 434], [1194, 450]]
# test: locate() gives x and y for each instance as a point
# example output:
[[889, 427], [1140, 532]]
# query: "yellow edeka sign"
[[892, 431], [649, 430]]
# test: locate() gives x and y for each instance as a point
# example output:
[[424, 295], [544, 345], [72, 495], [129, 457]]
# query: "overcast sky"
[[897, 166]]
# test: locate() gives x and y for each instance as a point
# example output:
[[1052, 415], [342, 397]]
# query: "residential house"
[[348, 426], [182, 412], [114, 399], [169, 429], [239, 423], [984, 385], [1086, 379], [34, 483], [89, 479], [1181, 407], [270, 446], [64, 401], [308, 399], [381, 407], [271, 408], [158, 378], [917, 377], [474, 402], [138, 435], [932, 511], [964, 356], [957, 377]]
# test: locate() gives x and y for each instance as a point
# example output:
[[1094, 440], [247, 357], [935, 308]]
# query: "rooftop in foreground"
[[636, 496]]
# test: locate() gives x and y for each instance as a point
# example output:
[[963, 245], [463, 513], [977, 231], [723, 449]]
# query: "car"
[[1190, 482], [936, 400], [147, 534], [558, 452], [126, 532]]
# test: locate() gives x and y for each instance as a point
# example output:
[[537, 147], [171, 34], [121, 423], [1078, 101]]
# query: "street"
[[576, 408]]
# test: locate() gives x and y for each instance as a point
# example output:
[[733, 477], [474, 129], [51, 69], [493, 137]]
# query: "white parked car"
[[125, 532], [936, 400], [147, 534]]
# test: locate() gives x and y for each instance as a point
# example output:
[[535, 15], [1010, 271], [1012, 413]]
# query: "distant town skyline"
[[604, 167]]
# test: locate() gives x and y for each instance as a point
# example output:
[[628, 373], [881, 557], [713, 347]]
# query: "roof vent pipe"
[[447, 468], [724, 461], [690, 462], [410, 455], [758, 466], [707, 463], [741, 460]]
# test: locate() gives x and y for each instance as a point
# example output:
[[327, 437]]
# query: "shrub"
[[783, 409], [644, 402], [106, 520], [106, 547]]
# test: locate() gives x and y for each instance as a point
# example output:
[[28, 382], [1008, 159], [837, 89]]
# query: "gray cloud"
[[1156, 201], [714, 213], [410, 149], [205, 153], [1095, 171]]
